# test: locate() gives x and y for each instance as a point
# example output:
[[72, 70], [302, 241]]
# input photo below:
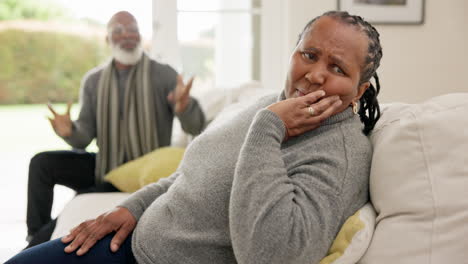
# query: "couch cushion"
[[418, 183], [146, 169], [83, 207]]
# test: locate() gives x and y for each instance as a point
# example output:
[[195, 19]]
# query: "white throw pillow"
[[419, 182], [84, 207], [217, 100]]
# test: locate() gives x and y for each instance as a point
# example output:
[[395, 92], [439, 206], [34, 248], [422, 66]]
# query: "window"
[[47, 47], [217, 41]]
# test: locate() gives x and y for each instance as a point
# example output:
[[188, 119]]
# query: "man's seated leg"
[[99, 188], [68, 168], [43, 234]]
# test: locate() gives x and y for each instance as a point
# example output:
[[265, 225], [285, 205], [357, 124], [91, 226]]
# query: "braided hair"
[[369, 110]]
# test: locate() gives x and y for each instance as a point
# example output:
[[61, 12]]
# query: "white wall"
[[274, 43], [165, 46], [231, 37], [419, 61]]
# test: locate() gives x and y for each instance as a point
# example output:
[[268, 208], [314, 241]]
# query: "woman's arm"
[[143, 198], [122, 219], [280, 214]]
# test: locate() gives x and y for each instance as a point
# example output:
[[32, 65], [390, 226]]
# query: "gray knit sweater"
[[240, 195]]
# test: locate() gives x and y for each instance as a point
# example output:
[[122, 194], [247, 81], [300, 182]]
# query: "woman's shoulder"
[[352, 131], [268, 99], [259, 102], [333, 140], [250, 106], [242, 112]]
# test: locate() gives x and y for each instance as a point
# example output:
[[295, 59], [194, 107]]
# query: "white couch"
[[418, 184]]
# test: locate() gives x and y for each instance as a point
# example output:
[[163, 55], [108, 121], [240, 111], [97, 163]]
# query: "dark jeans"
[[69, 168], [52, 252]]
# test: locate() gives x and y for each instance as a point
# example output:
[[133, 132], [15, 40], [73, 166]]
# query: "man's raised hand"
[[62, 124]]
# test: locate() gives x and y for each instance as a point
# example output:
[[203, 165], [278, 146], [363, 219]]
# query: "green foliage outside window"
[[45, 66], [31, 9]]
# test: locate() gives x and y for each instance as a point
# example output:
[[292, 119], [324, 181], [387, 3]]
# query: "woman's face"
[[329, 57]]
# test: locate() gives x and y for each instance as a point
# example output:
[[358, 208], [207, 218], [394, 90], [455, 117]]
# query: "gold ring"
[[311, 110]]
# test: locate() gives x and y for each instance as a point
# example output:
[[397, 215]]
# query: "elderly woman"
[[272, 185]]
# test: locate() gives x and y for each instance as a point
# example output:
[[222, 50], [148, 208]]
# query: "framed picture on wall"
[[386, 11]]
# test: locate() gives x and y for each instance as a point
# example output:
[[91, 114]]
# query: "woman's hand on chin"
[[305, 113]]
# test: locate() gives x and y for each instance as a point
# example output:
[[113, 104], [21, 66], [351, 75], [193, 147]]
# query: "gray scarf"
[[133, 136]]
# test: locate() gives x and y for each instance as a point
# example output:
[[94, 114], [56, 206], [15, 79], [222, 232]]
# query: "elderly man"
[[128, 105]]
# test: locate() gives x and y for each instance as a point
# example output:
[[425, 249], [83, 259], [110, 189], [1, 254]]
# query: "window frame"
[[274, 50]]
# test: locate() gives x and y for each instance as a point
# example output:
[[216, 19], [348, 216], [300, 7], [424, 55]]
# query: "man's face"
[[124, 39], [125, 35]]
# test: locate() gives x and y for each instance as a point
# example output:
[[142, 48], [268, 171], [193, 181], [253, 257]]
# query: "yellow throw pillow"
[[353, 239], [146, 169], [163, 164]]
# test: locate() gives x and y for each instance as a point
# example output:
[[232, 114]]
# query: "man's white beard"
[[125, 56]]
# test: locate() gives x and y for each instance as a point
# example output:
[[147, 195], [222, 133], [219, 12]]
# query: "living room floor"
[[25, 133], [14, 169]]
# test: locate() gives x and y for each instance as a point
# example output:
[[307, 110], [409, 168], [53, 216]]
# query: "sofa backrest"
[[419, 182]]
